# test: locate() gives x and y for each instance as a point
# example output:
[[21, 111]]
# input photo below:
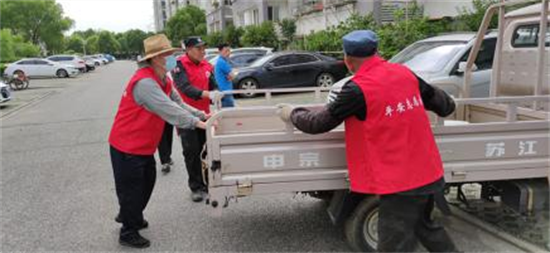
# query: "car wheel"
[[248, 84], [97, 64], [62, 73], [325, 80], [361, 227]]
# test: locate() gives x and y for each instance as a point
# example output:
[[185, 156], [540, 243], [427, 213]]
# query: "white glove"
[[215, 95], [284, 111]]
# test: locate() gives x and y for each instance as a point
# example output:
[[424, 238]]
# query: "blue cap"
[[360, 43]]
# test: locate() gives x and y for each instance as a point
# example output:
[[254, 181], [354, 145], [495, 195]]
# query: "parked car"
[[237, 60], [5, 93], [36, 67], [90, 63], [441, 60], [109, 57], [102, 58], [290, 69], [244, 59], [97, 62], [73, 60], [252, 50]]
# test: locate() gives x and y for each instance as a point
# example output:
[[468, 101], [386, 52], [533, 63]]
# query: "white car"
[[36, 67], [441, 61], [102, 58], [5, 93], [73, 60]]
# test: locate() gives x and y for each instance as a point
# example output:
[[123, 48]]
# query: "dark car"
[[289, 70], [244, 60]]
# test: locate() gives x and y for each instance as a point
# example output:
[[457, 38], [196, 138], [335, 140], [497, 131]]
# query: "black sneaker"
[[134, 240], [197, 196], [145, 224], [166, 168]]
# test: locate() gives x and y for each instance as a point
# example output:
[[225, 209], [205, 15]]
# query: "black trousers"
[[135, 177], [192, 142], [406, 219], [165, 145]]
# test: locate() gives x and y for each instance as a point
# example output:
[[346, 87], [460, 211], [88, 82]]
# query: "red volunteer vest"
[[394, 149], [198, 76], [137, 131]]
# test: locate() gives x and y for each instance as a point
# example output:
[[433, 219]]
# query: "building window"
[[256, 16], [273, 13]]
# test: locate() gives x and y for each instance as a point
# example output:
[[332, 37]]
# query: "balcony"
[[307, 7]]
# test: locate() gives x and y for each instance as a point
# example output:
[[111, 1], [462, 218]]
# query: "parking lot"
[[58, 191]]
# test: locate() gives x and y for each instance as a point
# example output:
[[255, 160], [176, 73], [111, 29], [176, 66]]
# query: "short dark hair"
[[222, 46]]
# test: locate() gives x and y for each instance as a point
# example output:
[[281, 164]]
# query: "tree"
[[232, 35], [134, 40], [36, 20], [260, 35], [92, 46], [188, 21], [107, 43], [75, 43], [214, 39], [7, 47], [288, 29], [471, 19]]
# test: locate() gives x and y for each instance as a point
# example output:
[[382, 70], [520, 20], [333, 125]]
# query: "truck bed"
[[253, 152]]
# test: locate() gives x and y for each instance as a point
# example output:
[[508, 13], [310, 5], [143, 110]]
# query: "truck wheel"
[[361, 227]]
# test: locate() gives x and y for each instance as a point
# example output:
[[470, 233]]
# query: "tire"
[[361, 227], [61, 73], [97, 64], [248, 84], [325, 80]]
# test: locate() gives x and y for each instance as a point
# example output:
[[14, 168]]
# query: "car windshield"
[[429, 56], [262, 61]]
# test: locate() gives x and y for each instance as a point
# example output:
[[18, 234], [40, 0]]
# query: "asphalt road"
[[57, 188]]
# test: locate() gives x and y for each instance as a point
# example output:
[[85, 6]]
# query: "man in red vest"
[[390, 148], [195, 81], [148, 101]]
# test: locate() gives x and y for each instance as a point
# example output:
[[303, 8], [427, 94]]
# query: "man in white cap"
[[148, 101]]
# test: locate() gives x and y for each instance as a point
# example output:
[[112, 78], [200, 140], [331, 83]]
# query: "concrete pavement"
[[57, 190]]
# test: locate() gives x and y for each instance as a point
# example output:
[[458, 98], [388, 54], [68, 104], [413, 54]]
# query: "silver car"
[[5, 93], [441, 61]]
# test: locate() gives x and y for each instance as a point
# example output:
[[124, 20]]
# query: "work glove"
[[215, 95], [284, 111]]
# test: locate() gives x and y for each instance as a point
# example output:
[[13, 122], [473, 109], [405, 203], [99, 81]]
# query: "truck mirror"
[[462, 67]]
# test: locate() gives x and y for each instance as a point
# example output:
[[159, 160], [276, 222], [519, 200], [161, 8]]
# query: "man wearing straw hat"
[[148, 101]]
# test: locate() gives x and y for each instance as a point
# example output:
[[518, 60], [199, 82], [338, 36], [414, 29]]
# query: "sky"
[[112, 15]]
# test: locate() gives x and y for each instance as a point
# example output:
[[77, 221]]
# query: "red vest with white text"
[[136, 130], [199, 76], [394, 149]]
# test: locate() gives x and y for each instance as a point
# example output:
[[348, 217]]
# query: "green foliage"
[[288, 29], [214, 39], [7, 47], [134, 40], [13, 47], [107, 44], [188, 21], [36, 21], [92, 46], [260, 35], [75, 43], [470, 20], [232, 35]]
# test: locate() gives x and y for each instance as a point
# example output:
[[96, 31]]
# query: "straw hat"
[[156, 45]]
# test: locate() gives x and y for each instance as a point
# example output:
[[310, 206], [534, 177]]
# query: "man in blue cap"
[[390, 148]]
